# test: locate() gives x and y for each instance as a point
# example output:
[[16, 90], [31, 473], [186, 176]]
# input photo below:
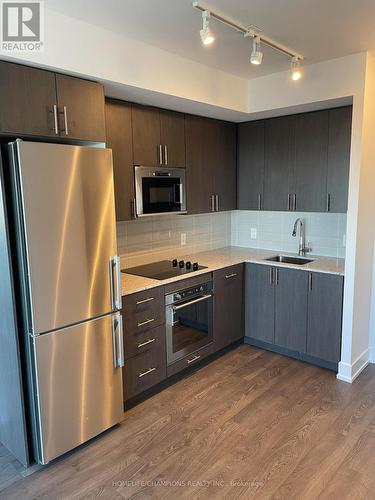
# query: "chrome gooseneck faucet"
[[302, 248]]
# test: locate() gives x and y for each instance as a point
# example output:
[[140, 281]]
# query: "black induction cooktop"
[[164, 269]]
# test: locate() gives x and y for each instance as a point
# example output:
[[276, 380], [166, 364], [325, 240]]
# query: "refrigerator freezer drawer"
[[79, 384]]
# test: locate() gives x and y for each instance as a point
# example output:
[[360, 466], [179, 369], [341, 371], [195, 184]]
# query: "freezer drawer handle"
[[115, 276], [117, 325], [142, 374]]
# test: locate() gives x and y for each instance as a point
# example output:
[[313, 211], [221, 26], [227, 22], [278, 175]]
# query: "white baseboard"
[[349, 372]]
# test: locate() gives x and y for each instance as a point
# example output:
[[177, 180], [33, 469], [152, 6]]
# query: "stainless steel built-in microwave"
[[159, 191]]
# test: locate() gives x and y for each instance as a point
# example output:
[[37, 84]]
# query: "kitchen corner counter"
[[228, 256]]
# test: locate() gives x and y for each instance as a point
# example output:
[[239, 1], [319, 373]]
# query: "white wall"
[[131, 67]]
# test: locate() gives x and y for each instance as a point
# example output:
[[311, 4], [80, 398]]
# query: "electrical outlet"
[[183, 238], [253, 233]]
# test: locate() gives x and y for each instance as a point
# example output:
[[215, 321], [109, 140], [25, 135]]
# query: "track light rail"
[[252, 32]]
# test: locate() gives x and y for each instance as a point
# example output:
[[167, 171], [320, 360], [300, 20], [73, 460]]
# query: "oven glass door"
[[161, 194], [190, 327]]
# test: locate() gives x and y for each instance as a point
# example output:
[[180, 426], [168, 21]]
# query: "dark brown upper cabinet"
[[172, 134], [250, 165], [119, 139], [279, 162], [225, 175], [158, 137], [45, 104], [340, 127], [81, 108], [211, 165], [310, 167], [27, 99]]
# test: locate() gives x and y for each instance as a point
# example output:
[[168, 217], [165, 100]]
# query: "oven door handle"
[[195, 301]]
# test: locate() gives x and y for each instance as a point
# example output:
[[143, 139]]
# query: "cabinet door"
[[27, 97], [260, 302], [250, 165], [291, 309], [340, 127], [225, 175], [228, 305], [279, 161], [172, 127], [310, 172], [325, 316], [146, 136], [83, 101], [199, 133], [119, 139]]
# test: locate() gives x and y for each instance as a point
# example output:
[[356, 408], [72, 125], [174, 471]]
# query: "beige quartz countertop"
[[228, 256]]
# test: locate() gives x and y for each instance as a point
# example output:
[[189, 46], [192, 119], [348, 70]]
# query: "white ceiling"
[[319, 29]]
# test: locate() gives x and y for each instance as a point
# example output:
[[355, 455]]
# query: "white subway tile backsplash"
[[324, 232], [159, 238]]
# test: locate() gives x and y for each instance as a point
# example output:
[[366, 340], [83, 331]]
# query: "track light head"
[[206, 34], [256, 54], [296, 72]]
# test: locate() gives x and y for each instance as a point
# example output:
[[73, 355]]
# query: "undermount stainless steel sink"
[[287, 259]]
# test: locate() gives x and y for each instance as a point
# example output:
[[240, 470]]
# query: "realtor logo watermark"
[[22, 26]]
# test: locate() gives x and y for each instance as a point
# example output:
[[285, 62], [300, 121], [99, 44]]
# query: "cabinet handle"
[[160, 154], [142, 344], [65, 113], [133, 208], [310, 282], [144, 301], [277, 276], [217, 202], [55, 120], [294, 202], [288, 201], [142, 374], [259, 201], [166, 155], [271, 276], [328, 202], [143, 323], [232, 275], [192, 359], [212, 203]]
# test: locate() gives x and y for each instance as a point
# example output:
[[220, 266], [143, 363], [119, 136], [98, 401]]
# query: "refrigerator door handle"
[[118, 356], [115, 277], [121, 361]]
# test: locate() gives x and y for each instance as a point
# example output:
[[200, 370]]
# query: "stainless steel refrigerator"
[[69, 291]]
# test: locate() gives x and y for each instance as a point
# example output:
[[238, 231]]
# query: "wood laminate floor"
[[252, 424]]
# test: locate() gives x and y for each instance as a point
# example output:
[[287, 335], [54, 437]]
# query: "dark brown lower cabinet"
[[148, 368], [260, 302], [325, 316], [291, 308], [228, 306]]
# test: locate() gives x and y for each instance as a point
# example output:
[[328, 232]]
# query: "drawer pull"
[[143, 323], [232, 275], [142, 374], [193, 359], [149, 341], [144, 301]]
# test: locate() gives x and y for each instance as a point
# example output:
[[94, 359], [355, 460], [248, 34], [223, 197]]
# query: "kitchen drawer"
[[191, 359], [144, 310], [144, 371], [141, 342]]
